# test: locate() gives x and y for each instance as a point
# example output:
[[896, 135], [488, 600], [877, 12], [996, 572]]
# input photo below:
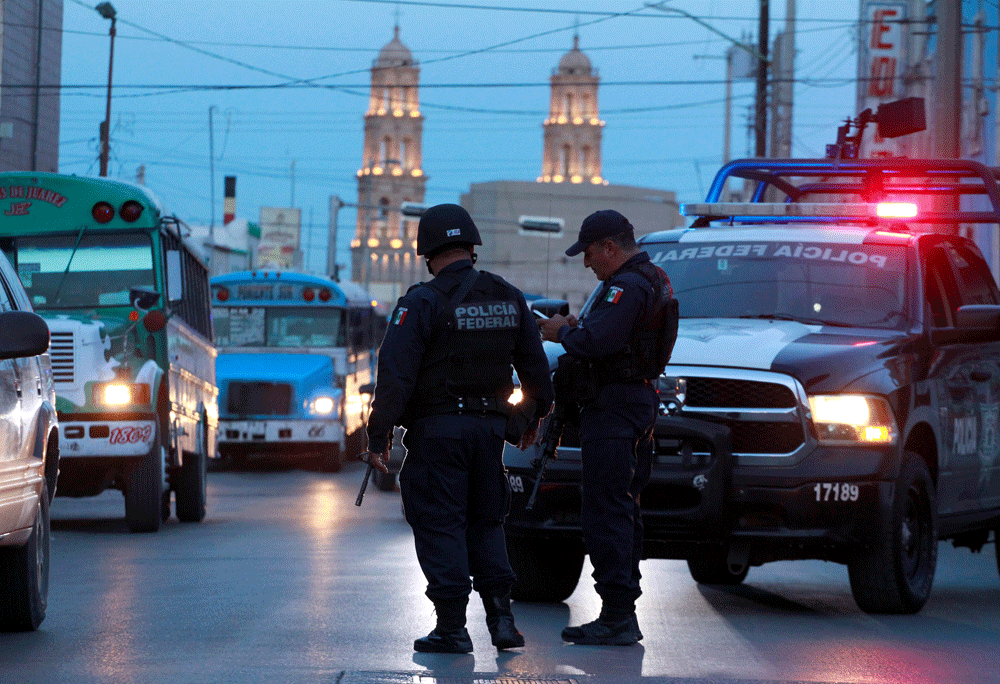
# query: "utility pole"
[[211, 186], [331, 246], [948, 80], [760, 122], [782, 88]]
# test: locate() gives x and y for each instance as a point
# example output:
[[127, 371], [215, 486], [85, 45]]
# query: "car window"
[[5, 297], [942, 292], [975, 282]]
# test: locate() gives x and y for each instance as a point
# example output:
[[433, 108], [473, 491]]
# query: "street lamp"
[[107, 10]]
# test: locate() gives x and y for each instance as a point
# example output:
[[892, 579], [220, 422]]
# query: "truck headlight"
[[323, 406], [121, 393], [843, 419]]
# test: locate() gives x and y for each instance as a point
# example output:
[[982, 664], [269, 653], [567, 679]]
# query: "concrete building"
[[383, 251], [570, 187], [30, 73]]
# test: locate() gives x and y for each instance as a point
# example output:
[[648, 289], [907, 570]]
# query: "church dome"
[[394, 54], [574, 61]]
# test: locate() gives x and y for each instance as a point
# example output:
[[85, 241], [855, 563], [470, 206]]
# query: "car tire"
[[547, 570], [713, 567], [24, 576], [144, 491], [894, 574]]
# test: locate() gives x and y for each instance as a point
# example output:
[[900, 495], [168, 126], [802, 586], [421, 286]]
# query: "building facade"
[[30, 74], [383, 252]]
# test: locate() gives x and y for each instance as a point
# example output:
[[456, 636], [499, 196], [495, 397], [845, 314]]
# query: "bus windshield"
[[83, 270], [278, 326]]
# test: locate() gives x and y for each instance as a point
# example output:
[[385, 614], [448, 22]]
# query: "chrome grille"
[[61, 355]]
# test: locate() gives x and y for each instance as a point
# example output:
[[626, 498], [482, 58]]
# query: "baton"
[[368, 474]]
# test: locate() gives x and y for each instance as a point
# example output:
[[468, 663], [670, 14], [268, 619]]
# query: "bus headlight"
[[323, 406], [121, 393], [844, 419]]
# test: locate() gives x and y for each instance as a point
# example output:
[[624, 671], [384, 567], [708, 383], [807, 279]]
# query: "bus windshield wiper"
[[799, 319], [79, 236]]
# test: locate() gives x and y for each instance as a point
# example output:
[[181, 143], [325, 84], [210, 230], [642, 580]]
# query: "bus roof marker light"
[[308, 294], [222, 294], [130, 211], [102, 212], [896, 210], [324, 295]]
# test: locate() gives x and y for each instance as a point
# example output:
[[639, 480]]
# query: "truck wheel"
[[24, 576], [713, 567], [144, 491], [894, 574], [547, 570], [192, 483], [330, 459]]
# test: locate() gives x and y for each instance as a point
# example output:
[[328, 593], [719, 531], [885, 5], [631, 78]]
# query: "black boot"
[[450, 635], [616, 626], [500, 621]]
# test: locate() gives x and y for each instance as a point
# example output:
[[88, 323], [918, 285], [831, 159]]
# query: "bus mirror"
[[175, 281], [142, 298]]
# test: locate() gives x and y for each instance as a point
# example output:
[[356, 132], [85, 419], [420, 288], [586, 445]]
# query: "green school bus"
[[127, 303]]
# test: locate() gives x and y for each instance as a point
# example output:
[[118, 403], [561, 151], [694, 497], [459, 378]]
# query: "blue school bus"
[[295, 365]]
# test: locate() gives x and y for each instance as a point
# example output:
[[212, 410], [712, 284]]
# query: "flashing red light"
[[130, 211], [102, 212], [222, 294], [308, 294], [896, 210], [324, 295]]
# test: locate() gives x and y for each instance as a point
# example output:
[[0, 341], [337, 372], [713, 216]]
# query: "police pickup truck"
[[834, 391]]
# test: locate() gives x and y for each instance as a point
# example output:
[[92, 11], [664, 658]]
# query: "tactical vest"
[[651, 343], [468, 360]]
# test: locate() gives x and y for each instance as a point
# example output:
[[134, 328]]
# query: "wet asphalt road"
[[288, 581]]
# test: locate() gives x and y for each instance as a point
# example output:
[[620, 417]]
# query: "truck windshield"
[[278, 326], [83, 270], [817, 283]]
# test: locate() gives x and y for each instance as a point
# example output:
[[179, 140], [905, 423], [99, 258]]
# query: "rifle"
[[550, 443]]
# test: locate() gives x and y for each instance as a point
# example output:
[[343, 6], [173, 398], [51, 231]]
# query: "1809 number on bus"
[[131, 434]]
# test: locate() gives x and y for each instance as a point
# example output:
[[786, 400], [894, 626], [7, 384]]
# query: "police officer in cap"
[[622, 344], [444, 374]]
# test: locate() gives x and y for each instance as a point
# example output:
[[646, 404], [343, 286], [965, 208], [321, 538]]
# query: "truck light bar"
[[803, 209]]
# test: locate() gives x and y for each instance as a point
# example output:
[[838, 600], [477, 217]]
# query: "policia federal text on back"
[[444, 374]]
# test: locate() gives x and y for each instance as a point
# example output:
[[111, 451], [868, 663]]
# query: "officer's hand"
[[549, 327], [571, 319], [530, 436], [380, 461]]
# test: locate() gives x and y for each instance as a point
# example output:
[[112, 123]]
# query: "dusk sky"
[[287, 84]]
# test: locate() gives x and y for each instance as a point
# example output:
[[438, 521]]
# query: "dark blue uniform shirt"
[[410, 329], [623, 302]]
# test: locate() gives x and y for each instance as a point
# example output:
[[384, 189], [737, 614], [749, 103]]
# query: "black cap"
[[599, 225]]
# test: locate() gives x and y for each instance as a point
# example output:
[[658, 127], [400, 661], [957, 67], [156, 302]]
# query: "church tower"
[[383, 252], [573, 129]]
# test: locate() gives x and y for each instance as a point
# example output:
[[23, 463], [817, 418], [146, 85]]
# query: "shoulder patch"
[[400, 315], [613, 295]]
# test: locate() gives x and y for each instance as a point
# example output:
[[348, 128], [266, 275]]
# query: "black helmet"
[[445, 224]]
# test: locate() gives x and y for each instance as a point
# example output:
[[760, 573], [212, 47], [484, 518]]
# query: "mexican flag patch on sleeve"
[[613, 295], [400, 315]]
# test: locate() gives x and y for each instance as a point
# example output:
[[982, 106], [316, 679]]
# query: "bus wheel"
[[144, 490], [192, 482], [330, 459]]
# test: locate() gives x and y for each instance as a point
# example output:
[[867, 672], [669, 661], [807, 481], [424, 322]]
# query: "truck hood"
[[309, 369], [822, 358]]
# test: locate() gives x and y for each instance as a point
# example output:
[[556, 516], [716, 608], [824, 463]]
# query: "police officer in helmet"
[[444, 374], [621, 346]]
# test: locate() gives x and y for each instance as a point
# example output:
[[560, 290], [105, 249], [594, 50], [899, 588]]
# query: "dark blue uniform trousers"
[[616, 445], [455, 497]]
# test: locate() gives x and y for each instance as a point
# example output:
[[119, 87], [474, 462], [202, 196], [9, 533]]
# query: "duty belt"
[[477, 405]]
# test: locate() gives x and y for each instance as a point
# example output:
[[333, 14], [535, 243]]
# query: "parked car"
[[834, 391], [29, 457]]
